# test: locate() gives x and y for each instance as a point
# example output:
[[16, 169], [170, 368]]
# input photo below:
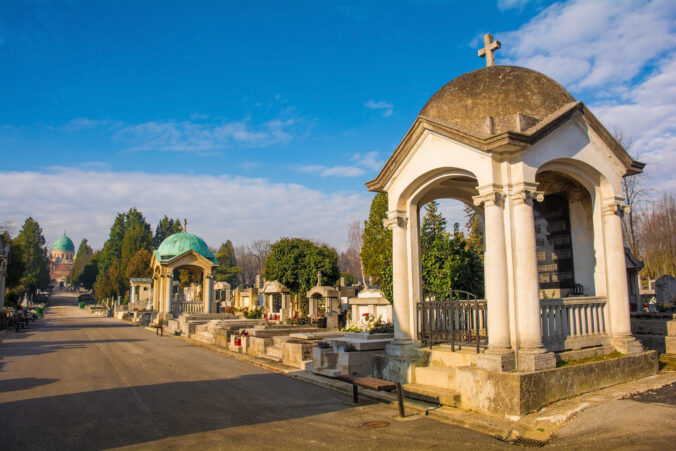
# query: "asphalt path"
[[72, 381]]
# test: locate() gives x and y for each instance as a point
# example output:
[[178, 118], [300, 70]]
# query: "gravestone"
[[665, 290]]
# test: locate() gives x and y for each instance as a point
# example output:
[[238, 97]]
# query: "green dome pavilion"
[[63, 244], [182, 242]]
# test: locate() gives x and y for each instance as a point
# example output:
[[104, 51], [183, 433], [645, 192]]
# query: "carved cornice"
[[395, 219]]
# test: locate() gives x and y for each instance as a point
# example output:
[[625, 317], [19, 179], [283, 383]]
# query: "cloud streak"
[[386, 107], [84, 203]]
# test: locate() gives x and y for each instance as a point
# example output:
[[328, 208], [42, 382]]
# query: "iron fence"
[[455, 317]]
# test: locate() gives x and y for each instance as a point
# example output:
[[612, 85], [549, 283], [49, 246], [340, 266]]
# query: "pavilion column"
[[402, 345], [208, 292], [499, 355], [616, 277], [156, 294], [169, 289], [532, 356]]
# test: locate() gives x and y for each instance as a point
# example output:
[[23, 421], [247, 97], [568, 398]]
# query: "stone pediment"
[[503, 144], [188, 258]]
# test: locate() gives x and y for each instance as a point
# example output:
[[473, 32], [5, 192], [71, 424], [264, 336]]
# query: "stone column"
[[499, 355], [532, 356], [208, 292], [402, 345], [170, 287], [156, 294], [616, 277]]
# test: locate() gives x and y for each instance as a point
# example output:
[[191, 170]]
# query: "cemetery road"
[[72, 381]]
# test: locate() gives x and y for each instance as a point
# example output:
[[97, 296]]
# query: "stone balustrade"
[[573, 323], [187, 307]]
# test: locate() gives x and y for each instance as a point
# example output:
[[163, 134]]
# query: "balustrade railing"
[[573, 323], [186, 307], [455, 317]]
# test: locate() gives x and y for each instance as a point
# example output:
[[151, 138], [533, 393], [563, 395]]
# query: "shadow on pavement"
[[129, 415], [23, 383], [24, 348]]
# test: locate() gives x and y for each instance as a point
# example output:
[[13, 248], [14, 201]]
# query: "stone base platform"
[[514, 393]]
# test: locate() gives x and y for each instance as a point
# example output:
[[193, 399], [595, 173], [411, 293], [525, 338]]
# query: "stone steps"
[[433, 376], [442, 356], [435, 395]]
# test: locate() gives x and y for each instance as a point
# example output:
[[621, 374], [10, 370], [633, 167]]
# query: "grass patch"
[[597, 358], [667, 362]]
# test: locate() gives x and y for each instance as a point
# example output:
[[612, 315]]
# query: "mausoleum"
[[545, 177], [183, 251]]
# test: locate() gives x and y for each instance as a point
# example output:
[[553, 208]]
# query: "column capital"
[[526, 196], [395, 219], [489, 198], [615, 207]]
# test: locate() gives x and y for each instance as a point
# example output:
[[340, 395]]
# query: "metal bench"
[[377, 385], [159, 329]]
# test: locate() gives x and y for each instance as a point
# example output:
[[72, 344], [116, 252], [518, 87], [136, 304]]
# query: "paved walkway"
[[73, 381]]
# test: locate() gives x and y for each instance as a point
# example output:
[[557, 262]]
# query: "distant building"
[[61, 261]]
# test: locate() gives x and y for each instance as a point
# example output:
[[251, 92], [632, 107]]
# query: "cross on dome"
[[489, 49], [185, 225]]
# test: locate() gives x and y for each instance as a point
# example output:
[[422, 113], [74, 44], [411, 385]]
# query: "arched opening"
[[564, 230]]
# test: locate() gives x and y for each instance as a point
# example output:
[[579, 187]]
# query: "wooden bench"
[[377, 385], [159, 329]]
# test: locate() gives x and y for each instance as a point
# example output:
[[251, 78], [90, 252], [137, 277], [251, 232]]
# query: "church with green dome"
[[61, 261]]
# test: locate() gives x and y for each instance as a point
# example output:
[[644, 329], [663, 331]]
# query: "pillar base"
[[627, 345], [497, 360], [536, 360], [401, 349]]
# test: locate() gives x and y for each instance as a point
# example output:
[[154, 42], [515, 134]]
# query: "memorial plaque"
[[554, 243]]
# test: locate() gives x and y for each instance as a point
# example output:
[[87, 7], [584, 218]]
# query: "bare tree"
[[350, 260], [248, 265], [635, 194], [657, 236], [260, 249]]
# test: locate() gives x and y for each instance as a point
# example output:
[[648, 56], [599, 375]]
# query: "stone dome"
[[498, 92], [63, 244], [179, 243]]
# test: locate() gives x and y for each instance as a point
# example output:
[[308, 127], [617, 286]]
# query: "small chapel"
[[545, 177]]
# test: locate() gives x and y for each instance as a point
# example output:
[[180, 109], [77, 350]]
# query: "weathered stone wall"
[[520, 393]]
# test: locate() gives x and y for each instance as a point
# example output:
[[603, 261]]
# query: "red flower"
[[366, 314]]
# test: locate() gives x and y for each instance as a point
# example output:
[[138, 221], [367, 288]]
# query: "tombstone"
[[370, 302], [665, 291]]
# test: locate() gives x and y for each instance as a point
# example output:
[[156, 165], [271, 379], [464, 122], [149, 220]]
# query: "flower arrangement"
[[371, 324]]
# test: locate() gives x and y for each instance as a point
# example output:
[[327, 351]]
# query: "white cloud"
[[84, 203], [387, 107], [510, 4], [368, 160], [185, 136], [82, 123], [332, 171], [587, 44]]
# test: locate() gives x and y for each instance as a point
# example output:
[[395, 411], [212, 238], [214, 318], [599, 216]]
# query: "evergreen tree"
[[82, 257], [139, 265], [434, 250], [227, 270], [89, 273], [15, 264], [376, 250], [165, 228], [36, 263]]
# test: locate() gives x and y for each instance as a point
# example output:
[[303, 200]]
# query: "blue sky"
[[257, 120]]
